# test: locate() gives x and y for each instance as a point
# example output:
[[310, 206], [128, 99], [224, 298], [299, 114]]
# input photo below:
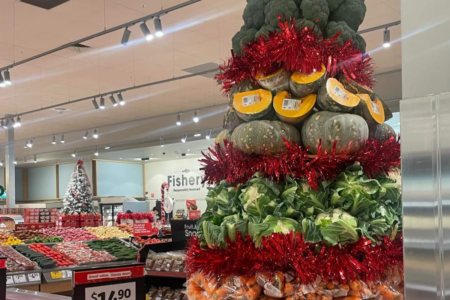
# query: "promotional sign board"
[[124, 283]]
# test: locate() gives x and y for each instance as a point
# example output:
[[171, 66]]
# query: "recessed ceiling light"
[[188, 150]]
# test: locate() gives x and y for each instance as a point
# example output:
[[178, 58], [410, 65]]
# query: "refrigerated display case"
[[109, 213]]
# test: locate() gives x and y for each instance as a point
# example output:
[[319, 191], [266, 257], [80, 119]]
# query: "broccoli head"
[[298, 3], [347, 33], [241, 38], [360, 42], [302, 23], [265, 31], [286, 9], [350, 11], [254, 14], [334, 4], [316, 11]]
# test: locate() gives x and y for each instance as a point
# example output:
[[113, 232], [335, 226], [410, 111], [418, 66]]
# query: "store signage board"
[[125, 283], [183, 230], [194, 214], [31, 226], [143, 229]]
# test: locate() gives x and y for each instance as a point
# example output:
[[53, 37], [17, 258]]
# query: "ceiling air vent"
[[203, 68], [45, 4]]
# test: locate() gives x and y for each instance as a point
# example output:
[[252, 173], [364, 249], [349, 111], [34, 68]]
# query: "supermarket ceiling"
[[198, 34]]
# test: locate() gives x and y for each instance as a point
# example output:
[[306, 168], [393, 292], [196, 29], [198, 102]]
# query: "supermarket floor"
[[19, 294]]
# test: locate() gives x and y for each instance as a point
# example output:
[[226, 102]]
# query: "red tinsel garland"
[[237, 167], [290, 252], [296, 50]]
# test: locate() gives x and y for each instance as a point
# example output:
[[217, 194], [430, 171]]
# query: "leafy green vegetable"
[[254, 14], [271, 225], [212, 234], [338, 227], [316, 11], [242, 38], [311, 231], [261, 197], [311, 201], [346, 33], [286, 9], [350, 11]]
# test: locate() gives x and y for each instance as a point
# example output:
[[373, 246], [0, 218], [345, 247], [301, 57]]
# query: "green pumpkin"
[[264, 137], [350, 131], [387, 111], [223, 135], [332, 96], [354, 87], [381, 132], [244, 86], [231, 119]]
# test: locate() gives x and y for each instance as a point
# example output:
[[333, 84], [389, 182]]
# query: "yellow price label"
[[147, 297], [56, 275]]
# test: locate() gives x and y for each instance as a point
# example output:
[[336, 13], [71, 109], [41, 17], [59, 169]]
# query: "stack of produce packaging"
[[40, 215], [166, 262], [165, 293], [80, 220], [306, 202], [15, 261]]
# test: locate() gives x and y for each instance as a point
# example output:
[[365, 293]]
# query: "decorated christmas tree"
[[305, 200], [78, 198]]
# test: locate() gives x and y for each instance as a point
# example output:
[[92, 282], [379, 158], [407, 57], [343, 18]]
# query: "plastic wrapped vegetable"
[[350, 11], [286, 9], [242, 38], [347, 33], [316, 11]]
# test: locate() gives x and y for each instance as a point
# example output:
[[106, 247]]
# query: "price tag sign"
[[143, 229], [56, 275], [69, 274], [9, 280], [19, 278], [34, 277], [123, 291]]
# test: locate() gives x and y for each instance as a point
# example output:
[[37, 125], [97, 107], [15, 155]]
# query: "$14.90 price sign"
[[122, 291]]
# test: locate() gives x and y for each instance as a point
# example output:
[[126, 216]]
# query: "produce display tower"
[[305, 200]]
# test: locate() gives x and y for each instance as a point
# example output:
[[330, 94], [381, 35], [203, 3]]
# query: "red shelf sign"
[[106, 275], [143, 229]]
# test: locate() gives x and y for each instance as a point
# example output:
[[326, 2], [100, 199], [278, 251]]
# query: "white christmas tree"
[[78, 198]]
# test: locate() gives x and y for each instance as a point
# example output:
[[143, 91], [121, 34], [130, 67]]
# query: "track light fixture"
[[121, 101], [1, 163], [102, 102], [94, 102], [26, 144], [196, 119], [161, 142], [125, 36], [95, 135], [158, 27], [8, 123], [2, 124], [74, 153], [197, 134], [184, 139], [179, 119], [96, 151], [30, 143], [7, 78], [2, 81], [208, 135], [148, 35], [62, 139], [387, 38], [35, 160], [86, 135], [17, 123], [54, 140], [15, 161], [113, 100]]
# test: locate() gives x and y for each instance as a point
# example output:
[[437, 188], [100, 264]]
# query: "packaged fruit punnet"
[[15, 260]]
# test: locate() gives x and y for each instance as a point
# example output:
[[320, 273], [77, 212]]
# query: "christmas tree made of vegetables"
[[306, 199]]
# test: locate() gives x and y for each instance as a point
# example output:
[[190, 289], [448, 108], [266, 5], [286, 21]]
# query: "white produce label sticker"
[[291, 104], [250, 100], [340, 93], [375, 107]]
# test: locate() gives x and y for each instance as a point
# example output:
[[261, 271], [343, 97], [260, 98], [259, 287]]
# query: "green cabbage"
[[271, 225], [312, 202]]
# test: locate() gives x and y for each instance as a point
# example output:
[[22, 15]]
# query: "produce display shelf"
[[23, 278], [19, 294], [165, 274]]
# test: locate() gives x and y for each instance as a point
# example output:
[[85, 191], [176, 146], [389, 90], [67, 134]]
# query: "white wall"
[[183, 184]]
